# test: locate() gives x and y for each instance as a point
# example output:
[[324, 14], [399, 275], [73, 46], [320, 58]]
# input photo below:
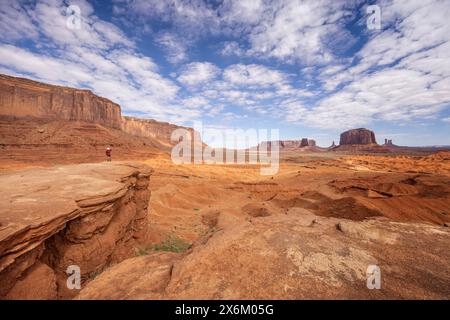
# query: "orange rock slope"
[[89, 215]]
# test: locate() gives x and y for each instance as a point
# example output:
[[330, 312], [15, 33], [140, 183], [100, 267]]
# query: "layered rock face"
[[89, 215], [26, 98], [357, 136], [161, 131]]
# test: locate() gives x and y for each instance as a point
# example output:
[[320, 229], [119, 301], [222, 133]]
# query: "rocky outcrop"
[[26, 98], [291, 256], [304, 142], [89, 215], [289, 144], [357, 136], [161, 131], [295, 144], [307, 143]]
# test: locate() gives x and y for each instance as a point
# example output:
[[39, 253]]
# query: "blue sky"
[[308, 68]]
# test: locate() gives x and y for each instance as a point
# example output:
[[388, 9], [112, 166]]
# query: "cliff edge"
[[88, 215]]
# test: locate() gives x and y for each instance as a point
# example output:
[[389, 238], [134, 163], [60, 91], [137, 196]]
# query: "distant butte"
[[357, 136]]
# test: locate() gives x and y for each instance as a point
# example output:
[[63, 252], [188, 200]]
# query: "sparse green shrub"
[[171, 244]]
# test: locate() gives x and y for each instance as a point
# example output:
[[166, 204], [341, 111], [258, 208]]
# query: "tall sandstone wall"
[[21, 98]]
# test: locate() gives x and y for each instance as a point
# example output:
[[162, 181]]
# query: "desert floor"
[[352, 187], [310, 231]]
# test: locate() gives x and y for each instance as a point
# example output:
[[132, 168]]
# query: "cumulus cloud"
[[253, 75], [230, 48], [174, 47], [191, 17], [15, 22], [196, 73], [296, 31]]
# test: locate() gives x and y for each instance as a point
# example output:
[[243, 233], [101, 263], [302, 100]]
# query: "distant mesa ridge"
[[296, 144], [25, 98]]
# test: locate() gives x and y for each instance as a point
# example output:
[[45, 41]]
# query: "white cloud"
[[231, 48], [296, 30], [174, 47], [196, 73], [15, 22], [401, 74], [253, 75], [50, 18], [243, 11], [43, 67], [288, 30], [393, 95], [190, 17]]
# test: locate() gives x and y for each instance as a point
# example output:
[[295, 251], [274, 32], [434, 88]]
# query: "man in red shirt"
[[108, 154]]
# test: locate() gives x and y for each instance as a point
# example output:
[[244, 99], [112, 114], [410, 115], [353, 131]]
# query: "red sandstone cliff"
[[26, 98], [23, 98]]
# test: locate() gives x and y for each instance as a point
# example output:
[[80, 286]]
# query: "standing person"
[[108, 154]]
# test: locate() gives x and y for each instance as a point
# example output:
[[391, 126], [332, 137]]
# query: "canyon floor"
[[308, 232]]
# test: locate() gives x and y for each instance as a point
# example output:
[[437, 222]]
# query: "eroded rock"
[[285, 257], [89, 215]]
